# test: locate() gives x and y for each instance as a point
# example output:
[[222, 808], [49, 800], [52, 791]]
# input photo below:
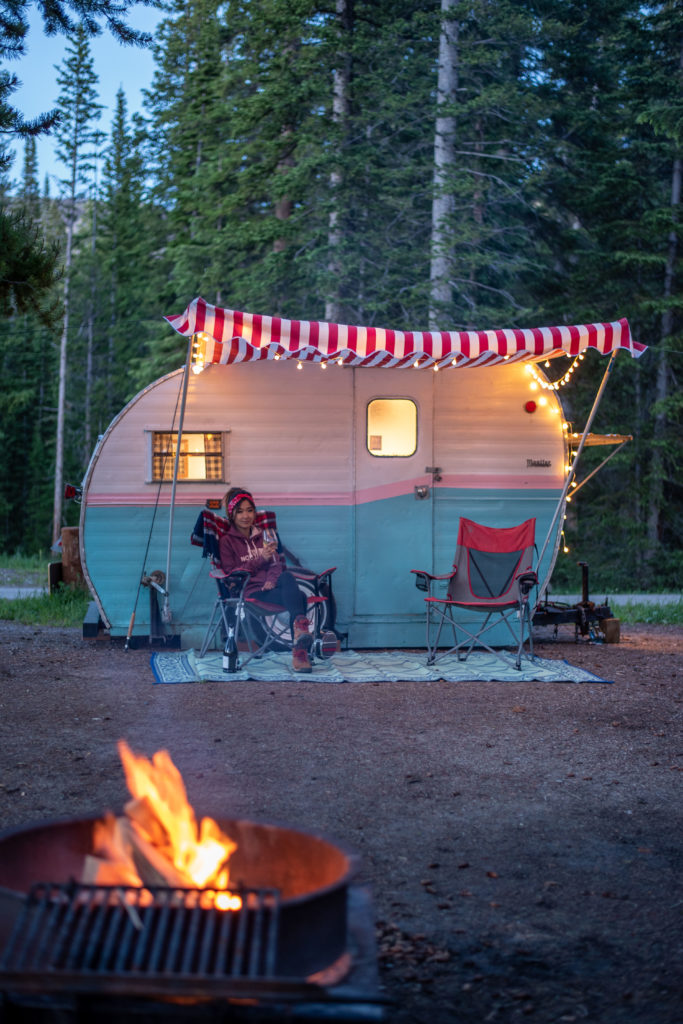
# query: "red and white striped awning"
[[228, 336]]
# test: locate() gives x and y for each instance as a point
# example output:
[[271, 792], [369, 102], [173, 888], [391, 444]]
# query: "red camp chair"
[[492, 573], [251, 627]]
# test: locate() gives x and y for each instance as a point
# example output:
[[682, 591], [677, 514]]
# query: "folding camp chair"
[[492, 573], [250, 627]]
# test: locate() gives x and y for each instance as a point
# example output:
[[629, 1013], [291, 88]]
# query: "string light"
[[299, 365], [198, 352], [323, 365], [565, 546], [547, 385]]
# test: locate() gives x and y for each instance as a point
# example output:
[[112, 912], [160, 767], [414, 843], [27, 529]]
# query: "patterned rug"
[[365, 667]]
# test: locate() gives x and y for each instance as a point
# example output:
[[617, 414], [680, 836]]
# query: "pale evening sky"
[[115, 65]]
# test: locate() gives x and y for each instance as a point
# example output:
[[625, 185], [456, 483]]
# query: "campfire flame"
[[158, 841]]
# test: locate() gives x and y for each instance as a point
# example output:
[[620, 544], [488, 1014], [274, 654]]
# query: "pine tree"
[[27, 270], [77, 139], [129, 241], [610, 73], [29, 190]]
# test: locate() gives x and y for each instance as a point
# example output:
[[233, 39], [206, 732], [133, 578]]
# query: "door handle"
[[421, 492], [435, 471]]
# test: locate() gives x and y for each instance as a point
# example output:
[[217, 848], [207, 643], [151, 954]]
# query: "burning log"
[[157, 841]]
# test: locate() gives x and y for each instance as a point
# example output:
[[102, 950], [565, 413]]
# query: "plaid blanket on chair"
[[207, 533]]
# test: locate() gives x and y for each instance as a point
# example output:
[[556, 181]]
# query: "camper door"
[[393, 491]]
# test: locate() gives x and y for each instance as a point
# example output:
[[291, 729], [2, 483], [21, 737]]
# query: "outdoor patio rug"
[[364, 667]]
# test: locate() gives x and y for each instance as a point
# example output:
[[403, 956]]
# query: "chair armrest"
[[424, 579], [309, 574], [233, 581], [527, 580]]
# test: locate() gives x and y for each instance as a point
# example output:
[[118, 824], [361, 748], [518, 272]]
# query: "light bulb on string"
[[553, 385]]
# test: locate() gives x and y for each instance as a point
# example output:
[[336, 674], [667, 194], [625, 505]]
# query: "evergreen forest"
[[400, 163]]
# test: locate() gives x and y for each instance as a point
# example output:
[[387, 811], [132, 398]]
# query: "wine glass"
[[270, 537]]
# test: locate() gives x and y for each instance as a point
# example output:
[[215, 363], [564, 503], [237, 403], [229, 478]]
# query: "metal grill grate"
[[104, 932]]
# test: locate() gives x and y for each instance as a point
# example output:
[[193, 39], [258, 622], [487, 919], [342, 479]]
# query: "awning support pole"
[[166, 610], [572, 468], [598, 468]]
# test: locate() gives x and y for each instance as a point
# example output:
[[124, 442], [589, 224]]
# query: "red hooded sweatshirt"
[[239, 552]]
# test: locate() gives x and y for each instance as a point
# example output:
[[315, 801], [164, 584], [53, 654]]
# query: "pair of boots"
[[303, 641]]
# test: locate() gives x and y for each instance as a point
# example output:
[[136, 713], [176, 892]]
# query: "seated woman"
[[242, 547]]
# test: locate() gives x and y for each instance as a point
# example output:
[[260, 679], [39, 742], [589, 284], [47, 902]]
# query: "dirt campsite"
[[521, 842]]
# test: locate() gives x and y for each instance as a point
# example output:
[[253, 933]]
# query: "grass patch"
[[653, 614], [32, 563], [22, 570], [65, 607]]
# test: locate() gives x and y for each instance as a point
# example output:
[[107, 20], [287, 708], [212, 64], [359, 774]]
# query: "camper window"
[[201, 456], [392, 427]]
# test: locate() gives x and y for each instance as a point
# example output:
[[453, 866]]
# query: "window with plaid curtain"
[[201, 456]]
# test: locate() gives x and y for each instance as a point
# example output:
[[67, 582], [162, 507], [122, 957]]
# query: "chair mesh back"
[[491, 572], [488, 559]]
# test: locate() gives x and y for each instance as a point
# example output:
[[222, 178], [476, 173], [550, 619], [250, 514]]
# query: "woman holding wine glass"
[[245, 546]]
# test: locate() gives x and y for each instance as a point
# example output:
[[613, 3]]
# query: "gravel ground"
[[522, 842]]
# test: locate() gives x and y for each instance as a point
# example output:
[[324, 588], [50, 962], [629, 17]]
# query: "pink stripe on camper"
[[381, 492]]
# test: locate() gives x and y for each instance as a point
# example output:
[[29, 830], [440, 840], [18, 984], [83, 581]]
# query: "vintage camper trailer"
[[368, 445]]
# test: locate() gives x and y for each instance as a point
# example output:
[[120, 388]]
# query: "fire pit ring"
[[311, 873]]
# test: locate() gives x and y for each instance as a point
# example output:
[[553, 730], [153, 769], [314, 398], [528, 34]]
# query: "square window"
[[201, 456], [392, 427]]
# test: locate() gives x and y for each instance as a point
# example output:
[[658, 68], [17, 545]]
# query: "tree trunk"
[[341, 82], [283, 205], [61, 397], [444, 163], [87, 414], [657, 462]]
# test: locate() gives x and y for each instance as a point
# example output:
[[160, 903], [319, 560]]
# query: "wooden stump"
[[72, 570], [612, 630]]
